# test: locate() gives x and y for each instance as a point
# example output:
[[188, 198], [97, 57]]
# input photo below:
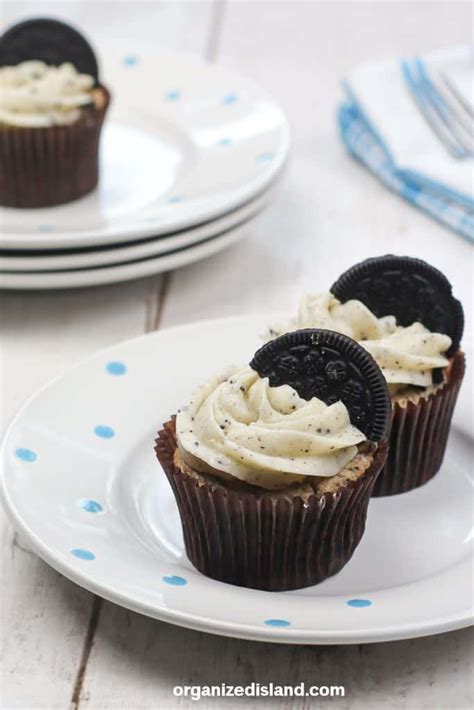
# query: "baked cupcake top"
[[266, 436], [406, 355], [34, 94]]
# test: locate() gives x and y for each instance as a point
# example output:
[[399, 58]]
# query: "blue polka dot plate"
[[186, 142], [81, 484]]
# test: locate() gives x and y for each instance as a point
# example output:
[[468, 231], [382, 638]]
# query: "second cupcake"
[[403, 312]]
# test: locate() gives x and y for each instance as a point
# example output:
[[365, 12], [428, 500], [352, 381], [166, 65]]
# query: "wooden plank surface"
[[135, 663], [45, 619], [61, 647], [44, 616]]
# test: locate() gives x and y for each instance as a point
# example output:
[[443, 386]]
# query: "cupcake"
[[272, 465], [52, 108], [402, 311]]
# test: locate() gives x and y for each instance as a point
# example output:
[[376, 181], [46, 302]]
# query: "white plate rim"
[[274, 634], [82, 278]]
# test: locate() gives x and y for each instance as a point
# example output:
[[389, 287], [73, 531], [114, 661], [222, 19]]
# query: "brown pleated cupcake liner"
[[42, 167], [264, 540], [419, 434]]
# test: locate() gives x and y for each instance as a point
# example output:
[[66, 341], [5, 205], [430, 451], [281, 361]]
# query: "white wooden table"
[[63, 647]]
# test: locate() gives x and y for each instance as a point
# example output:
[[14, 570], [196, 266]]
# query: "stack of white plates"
[[190, 154]]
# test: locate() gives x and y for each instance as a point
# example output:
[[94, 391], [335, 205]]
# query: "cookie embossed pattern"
[[409, 289], [324, 364]]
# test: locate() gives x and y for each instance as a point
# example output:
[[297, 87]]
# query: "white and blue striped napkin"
[[384, 124]]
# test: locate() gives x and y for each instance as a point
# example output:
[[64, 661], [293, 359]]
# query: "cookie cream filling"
[[267, 436], [406, 356], [35, 95]]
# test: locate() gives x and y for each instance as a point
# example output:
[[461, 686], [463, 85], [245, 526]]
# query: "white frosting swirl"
[[266, 436], [406, 356], [409, 355], [33, 94]]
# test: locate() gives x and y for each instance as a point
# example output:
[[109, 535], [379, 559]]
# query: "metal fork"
[[458, 98], [450, 127], [455, 118]]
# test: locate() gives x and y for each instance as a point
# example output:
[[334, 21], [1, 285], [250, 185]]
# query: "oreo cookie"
[[49, 41], [407, 288], [332, 367]]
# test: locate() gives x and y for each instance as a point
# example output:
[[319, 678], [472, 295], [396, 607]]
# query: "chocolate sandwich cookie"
[[50, 41], [332, 367], [409, 289]]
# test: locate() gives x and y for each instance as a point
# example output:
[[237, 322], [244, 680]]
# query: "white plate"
[[185, 143], [88, 258], [100, 510], [122, 272]]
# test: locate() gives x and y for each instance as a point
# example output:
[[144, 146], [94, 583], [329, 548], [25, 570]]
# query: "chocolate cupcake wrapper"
[[42, 167], [418, 436], [264, 541]]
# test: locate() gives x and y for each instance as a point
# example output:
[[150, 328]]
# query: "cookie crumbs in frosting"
[[406, 355]]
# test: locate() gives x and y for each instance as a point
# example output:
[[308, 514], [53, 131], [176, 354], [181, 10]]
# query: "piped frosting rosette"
[[266, 436]]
